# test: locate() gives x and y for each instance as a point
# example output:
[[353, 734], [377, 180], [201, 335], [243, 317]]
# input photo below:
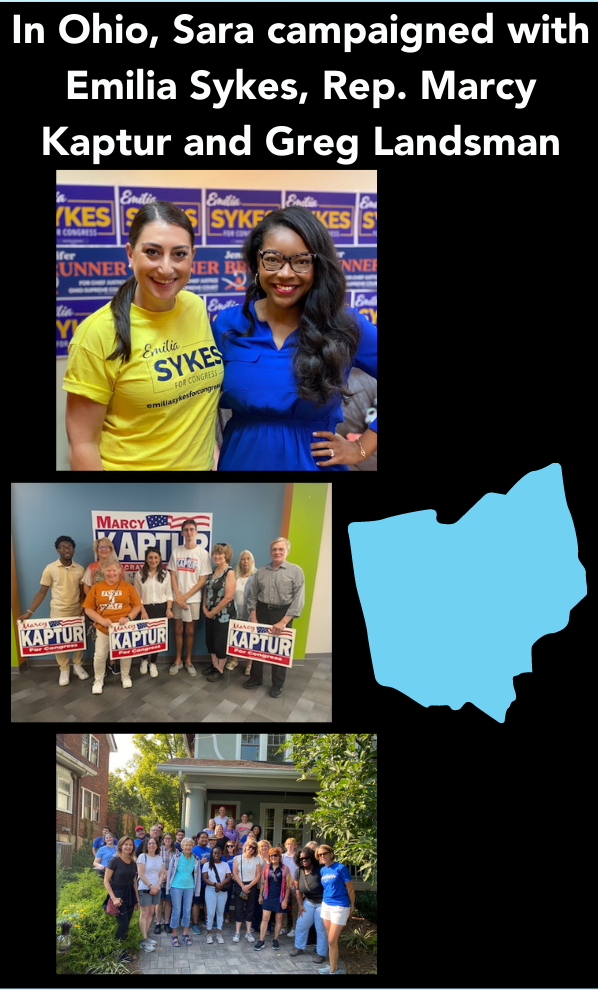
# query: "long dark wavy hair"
[[121, 303], [328, 336], [145, 570]]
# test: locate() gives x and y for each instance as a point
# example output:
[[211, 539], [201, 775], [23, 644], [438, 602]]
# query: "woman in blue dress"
[[288, 353]]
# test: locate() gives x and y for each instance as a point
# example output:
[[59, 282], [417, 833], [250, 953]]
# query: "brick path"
[[232, 958]]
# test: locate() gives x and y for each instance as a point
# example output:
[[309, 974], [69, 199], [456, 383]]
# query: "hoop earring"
[[257, 281]]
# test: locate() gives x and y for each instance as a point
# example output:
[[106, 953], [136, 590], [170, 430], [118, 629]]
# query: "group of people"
[[273, 594], [184, 876], [146, 372]]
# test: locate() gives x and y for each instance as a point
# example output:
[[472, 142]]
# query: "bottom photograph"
[[216, 853]]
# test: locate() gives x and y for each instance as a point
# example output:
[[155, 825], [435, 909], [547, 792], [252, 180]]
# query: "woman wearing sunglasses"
[[338, 901], [288, 353], [274, 895]]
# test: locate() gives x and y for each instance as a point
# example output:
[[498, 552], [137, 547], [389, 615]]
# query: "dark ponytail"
[[121, 303]]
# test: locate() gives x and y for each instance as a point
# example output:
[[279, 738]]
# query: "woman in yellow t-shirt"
[[144, 373]]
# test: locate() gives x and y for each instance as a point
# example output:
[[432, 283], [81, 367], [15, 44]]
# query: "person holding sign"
[[64, 576], [288, 353], [276, 597], [219, 607], [112, 601], [143, 374], [189, 566]]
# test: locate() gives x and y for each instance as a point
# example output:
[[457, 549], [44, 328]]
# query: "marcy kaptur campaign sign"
[[252, 641], [134, 639], [40, 636], [133, 532]]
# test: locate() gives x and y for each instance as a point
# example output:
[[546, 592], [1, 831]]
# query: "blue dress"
[[271, 427]]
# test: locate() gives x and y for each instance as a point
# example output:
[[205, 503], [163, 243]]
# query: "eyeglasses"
[[273, 261], [304, 859]]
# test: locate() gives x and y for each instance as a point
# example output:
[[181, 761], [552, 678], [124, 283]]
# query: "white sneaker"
[[236, 937], [153, 670], [209, 939], [249, 937], [219, 938], [80, 671], [98, 687], [175, 668], [126, 681], [65, 677], [291, 933], [143, 667]]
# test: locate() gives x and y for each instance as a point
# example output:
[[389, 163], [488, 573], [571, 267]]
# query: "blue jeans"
[[181, 897], [311, 916]]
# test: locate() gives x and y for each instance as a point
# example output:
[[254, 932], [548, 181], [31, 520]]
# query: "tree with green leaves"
[[142, 790], [346, 809]]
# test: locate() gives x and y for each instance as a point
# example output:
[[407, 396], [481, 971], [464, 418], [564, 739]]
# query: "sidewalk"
[[232, 958]]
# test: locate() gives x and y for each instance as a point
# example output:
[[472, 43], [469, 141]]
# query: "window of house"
[[269, 825], [276, 740], [90, 748], [90, 805], [250, 746], [290, 828], [64, 794]]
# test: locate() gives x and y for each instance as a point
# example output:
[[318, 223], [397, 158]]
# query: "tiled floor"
[[307, 696], [230, 959]]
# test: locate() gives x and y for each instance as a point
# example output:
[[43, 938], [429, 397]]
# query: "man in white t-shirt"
[[222, 817], [189, 566]]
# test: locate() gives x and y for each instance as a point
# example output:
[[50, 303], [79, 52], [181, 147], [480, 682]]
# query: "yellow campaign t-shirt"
[[162, 403]]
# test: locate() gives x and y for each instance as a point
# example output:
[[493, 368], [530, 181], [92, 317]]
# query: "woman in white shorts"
[[338, 902]]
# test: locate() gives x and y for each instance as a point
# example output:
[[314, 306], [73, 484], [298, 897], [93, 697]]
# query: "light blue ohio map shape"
[[455, 614]]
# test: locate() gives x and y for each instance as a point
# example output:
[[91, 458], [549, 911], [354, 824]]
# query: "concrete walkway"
[[232, 958]]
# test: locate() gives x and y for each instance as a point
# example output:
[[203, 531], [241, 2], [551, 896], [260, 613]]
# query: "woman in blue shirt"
[[338, 901], [288, 353]]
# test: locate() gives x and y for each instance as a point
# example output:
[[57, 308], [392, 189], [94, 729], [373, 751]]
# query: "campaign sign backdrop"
[[135, 639], [40, 636], [133, 532], [251, 641]]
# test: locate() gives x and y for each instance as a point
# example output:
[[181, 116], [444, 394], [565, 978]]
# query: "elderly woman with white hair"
[[276, 597], [111, 601]]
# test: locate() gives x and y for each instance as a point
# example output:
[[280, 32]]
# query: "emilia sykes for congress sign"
[[133, 532], [252, 641]]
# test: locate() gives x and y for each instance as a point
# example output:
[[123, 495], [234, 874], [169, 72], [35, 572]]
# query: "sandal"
[[186, 940], [248, 668], [175, 941], [231, 664]]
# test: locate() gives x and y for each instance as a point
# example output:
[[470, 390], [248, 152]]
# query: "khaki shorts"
[[192, 611]]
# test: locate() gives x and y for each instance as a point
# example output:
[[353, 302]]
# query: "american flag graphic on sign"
[[175, 522], [132, 533]]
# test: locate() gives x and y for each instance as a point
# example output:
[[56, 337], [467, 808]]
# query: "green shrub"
[[93, 931], [366, 904], [360, 938]]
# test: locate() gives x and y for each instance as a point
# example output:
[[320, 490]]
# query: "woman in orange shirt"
[[110, 602]]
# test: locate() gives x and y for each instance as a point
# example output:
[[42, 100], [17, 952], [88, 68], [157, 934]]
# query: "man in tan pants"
[[64, 576]]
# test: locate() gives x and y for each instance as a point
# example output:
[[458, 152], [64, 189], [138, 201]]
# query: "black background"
[[485, 315]]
